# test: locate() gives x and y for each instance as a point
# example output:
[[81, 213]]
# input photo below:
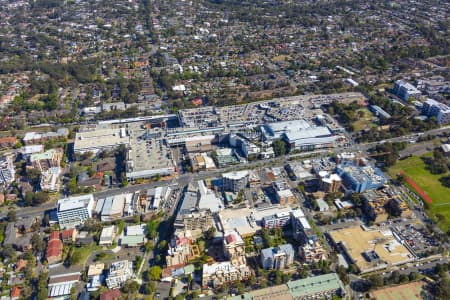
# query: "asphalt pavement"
[[184, 179]]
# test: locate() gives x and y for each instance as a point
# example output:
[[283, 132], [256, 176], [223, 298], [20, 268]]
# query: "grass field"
[[81, 254], [410, 291], [415, 168], [365, 122]]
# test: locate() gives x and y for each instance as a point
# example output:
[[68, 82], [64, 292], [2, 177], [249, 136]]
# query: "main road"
[[183, 179]]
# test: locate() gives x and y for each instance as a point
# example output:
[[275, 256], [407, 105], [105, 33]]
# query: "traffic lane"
[[419, 267], [163, 290], [186, 178]]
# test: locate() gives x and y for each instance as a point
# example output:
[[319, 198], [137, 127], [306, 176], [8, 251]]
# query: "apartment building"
[[405, 90], [7, 170], [235, 181], [221, 273], [440, 111], [233, 245], [119, 273], [277, 258]]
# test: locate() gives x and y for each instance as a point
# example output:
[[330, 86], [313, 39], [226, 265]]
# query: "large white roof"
[[74, 202], [224, 267], [135, 230], [312, 132], [289, 125], [236, 175]]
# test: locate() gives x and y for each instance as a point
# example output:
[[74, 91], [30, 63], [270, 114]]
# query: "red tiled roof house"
[[54, 248]]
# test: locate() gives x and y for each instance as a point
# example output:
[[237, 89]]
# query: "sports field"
[[414, 168], [410, 291]]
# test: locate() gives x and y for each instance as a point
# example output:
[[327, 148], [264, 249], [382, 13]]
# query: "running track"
[[417, 188]]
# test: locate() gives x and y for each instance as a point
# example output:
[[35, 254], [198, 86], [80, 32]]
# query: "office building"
[[245, 147], [74, 210], [277, 258], [201, 162], [283, 192]]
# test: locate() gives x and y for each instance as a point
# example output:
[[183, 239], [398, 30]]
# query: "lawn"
[[365, 122], [104, 256], [80, 255], [415, 168]]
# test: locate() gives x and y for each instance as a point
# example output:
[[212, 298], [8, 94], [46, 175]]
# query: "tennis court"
[[410, 291]]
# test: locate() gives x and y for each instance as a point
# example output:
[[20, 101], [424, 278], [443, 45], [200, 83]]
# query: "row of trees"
[[396, 277], [438, 163]]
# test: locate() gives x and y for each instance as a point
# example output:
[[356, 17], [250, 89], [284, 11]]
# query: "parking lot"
[[148, 151], [418, 238]]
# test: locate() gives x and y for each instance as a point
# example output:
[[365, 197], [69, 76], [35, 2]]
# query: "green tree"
[[413, 276], [279, 147], [376, 280], [75, 257], [131, 287], [162, 245], [155, 273], [278, 277], [8, 252], [149, 246], [180, 297], [150, 287], [42, 286], [210, 233], [37, 243], [11, 216], [442, 290]]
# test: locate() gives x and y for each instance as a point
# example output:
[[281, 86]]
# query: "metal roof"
[[314, 285]]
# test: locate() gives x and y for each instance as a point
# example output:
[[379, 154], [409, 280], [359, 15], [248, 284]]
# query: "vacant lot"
[[415, 168]]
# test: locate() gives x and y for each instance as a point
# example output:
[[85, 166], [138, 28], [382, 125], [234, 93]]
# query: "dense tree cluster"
[[387, 153], [438, 163]]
